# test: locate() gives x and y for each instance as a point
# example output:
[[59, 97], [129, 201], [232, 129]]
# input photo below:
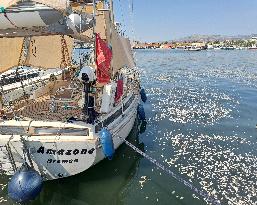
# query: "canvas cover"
[[45, 52], [10, 51], [50, 52], [56, 4]]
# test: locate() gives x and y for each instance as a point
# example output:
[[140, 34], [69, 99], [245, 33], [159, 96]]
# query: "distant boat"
[[241, 48], [254, 47], [193, 48], [210, 47], [217, 48], [228, 48]]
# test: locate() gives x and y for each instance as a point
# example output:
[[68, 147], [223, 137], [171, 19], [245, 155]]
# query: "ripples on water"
[[205, 106]]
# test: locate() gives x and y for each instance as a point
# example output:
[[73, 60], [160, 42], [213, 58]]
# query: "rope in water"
[[204, 194]]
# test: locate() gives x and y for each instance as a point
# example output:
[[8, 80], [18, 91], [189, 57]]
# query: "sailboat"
[[66, 120]]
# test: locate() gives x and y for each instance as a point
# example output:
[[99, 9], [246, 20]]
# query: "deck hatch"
[[62, 131], [13, 130]]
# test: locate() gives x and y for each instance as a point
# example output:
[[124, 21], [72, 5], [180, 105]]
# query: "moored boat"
[[72, 115], [228, 48], [193, 48], [254, 47]]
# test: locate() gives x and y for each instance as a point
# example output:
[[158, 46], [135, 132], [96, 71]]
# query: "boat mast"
[[111, 9], [94, 25], [94, 15]]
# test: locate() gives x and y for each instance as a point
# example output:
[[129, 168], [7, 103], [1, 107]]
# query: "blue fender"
[[25, 185], [107, 143], [141, 112], [143, 95]]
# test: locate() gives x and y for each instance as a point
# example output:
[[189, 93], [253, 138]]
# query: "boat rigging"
[[60, 115]]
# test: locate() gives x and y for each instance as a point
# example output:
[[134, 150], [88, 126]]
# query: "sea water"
[[201, 124]]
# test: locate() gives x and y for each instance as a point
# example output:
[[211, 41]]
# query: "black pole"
[[85, 80]]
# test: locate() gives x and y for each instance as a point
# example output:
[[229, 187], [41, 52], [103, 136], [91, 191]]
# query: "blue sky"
[[171, 19]]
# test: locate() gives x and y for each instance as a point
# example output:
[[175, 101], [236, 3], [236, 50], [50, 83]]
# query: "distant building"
[[167, 46]]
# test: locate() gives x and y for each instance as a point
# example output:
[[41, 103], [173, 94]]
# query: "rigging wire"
[[132, 30], [122, 16]]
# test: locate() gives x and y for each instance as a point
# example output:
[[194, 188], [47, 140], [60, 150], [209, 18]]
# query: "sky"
[[160, 20]]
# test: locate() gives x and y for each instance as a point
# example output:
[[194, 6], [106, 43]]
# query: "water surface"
[[202, 114]]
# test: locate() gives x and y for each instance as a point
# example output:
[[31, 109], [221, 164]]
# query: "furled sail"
[[56, 4], [45, 52], [122, 54], [10, 52], [121, 48]]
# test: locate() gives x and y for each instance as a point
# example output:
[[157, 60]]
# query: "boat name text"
[[64, 161], [43, 150]]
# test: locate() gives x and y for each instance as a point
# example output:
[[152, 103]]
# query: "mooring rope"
[[204, 194]]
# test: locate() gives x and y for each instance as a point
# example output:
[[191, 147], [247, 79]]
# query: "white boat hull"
[[63, 156]]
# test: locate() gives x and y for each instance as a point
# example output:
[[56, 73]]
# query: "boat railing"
[[10, 155]]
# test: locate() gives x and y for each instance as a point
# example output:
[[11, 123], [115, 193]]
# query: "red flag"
[[119, 90], [103, 60]]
